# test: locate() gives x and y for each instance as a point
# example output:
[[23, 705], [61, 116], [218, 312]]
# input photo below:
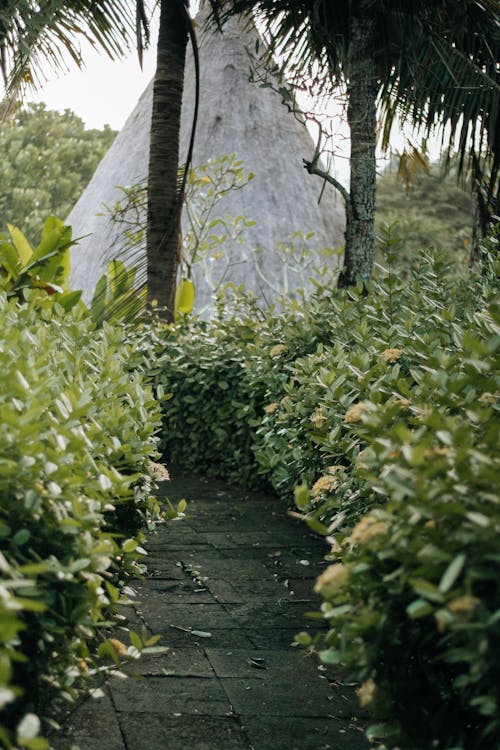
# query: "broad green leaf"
[[21, 244], [135, 640], [426, 589], [184, 298]]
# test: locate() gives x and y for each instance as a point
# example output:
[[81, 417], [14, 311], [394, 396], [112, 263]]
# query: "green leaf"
[[303, 638], [21, 244], [135, 640], [452, 572], [426, 589], [302, 497], [184, 298], [129, 545], [419, 608]]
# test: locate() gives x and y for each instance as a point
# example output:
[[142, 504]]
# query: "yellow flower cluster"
[[353, 414], [318, 417], [367, 528], [271, 408], [278, 350], [324, 485], [333, 578], [392, 355], [489, 398], [462, 605], [159, 471], [366, 692]]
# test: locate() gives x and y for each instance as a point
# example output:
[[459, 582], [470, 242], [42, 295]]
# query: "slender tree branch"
[[312, 168]]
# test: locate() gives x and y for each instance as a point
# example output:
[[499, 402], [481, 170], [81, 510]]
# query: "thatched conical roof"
[[236, 116]]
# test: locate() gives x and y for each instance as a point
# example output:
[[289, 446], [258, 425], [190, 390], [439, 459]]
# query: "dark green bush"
[[77, 436], [382, 412]]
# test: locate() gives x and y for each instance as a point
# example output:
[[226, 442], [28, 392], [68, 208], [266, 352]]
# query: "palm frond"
[[34, 35]]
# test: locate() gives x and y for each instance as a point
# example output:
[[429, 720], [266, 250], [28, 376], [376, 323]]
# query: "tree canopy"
[[46, 160]]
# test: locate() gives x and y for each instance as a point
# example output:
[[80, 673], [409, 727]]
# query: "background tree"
[[46, 160], [433, 211], [433, 63]]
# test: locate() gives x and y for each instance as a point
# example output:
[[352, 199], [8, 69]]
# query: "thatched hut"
[[236, 116]]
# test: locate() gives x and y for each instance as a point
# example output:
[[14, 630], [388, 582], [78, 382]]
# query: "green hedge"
[[77, 436], [381, 411]]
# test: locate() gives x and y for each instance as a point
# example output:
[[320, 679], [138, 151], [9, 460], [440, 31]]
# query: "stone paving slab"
[[228, 588], [169, 696], [152, 732], [290, 733]]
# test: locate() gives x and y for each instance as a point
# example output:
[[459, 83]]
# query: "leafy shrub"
[[211, 402], [77, 435], [45, 268], [413, 598], [382, 412]]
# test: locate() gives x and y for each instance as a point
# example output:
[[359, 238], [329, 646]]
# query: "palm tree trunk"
[[362, 119], [164, 209]]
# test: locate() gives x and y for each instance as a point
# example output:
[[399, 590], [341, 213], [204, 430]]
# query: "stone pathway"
[[228, 588]]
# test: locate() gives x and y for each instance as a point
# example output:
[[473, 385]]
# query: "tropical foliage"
[[47, 159], [381, 415], [33, 35], [77, 437]]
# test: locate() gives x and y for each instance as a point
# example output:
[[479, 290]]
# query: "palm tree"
[[165, 190], [433, 63], [32, 32]]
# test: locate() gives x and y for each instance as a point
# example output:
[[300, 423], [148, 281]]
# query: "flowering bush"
[[382, 413]]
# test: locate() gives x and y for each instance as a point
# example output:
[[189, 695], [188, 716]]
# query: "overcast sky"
[[104, 92]]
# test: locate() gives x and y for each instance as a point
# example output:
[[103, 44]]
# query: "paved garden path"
[[227, 589]]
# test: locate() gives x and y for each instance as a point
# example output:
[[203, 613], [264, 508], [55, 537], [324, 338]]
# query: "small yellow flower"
[[82, 665], [333, 578], [489, 398], [442, 450], [392, 355], [118, 646], [430, 524], [271, 408], [366, 692], [367, 528], [278, 350], [324, 485], [159, 471], [335, 469], [318, 417], [353, 414], [395, 454], [462, 605]]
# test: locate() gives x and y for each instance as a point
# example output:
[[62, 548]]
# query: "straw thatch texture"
[[236, 116]]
